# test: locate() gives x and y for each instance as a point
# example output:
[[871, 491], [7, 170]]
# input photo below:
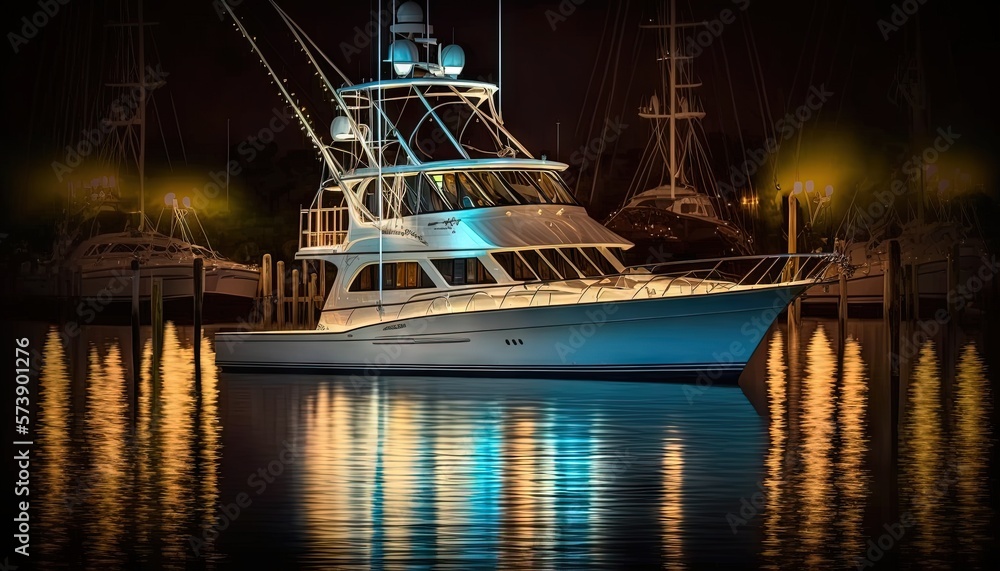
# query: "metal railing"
[[698, 278], [319, 227]]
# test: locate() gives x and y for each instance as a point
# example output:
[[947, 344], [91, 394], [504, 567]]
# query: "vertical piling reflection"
[[817, 428], [852, 476], [774, 483], [923, 476], [105, 445], [971, 443], [56, 444]]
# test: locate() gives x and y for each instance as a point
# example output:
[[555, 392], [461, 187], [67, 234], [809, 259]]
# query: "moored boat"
[[459, 252]]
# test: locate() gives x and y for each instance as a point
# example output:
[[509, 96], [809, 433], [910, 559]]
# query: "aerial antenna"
[[500, 57], [378, 137]]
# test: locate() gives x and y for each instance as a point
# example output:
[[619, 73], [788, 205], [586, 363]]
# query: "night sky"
[[546, 72]]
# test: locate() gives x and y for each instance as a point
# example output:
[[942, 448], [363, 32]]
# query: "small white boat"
[[458, 252]]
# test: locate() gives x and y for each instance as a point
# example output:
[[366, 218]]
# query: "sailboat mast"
[[142, 122], [673, 95]]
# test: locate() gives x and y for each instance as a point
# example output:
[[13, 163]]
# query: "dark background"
[[549, 75]]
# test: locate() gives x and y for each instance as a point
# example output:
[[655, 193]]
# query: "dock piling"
[[295, 299], [280, 275]]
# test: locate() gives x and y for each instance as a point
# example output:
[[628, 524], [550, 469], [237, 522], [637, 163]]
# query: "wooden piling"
[[311, 305], [265, 277], [295, 299], [322, 278], [794, 310], [199, 294], [280, 277], [842, 305]]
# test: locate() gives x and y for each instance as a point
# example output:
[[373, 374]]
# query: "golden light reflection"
[[672, 507], [774, 482], [105, 424], [921, 452], [401, 479], [336, 501], [853, 480], [971, 444], [519, 495], [817, 424], [55, 446]]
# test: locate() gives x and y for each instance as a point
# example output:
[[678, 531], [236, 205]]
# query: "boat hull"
[[680, 338]]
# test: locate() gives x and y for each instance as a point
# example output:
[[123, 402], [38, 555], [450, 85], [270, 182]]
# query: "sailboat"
[[91, 262], [674, 219], [472, 256], [931, 236]]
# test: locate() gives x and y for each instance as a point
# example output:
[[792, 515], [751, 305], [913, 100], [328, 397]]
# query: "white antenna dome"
[[169, 199], [453, 59], [403, 54], [410, 13], [340, 129]]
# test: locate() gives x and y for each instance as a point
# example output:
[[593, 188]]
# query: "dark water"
[[793, 469]]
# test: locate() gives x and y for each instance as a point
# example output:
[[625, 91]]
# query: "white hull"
[[676, 337], [178, 282]]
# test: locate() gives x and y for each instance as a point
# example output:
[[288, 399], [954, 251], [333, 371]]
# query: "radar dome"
[[410, 13], [340, 129], [403, 54], [453, 59]]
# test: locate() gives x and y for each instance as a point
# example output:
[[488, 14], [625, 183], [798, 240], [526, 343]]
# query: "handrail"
[[811, 269]]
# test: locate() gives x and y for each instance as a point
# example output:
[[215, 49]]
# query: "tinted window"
[[397, 275], [463, 271]]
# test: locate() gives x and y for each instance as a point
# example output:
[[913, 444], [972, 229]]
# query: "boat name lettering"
[[406, 233], [396, 326]]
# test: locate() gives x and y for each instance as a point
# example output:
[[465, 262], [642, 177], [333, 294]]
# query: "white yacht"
[[92, 261], [458, 252]]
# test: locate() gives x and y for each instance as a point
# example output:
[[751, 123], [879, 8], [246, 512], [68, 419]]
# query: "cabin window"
[[562, 266], [423, 195], [600, 260], [515, 266], [395, 275], [464, 271], [542, 268], [582, 263]]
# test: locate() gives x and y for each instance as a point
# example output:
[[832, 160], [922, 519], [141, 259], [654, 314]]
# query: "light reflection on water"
[[512, 474]]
